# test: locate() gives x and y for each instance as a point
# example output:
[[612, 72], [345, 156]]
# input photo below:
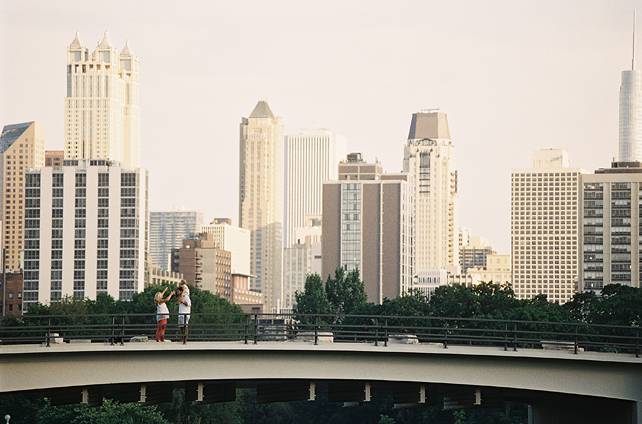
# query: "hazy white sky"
[[513, 76]]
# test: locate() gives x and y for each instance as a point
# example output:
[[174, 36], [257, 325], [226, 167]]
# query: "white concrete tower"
[[631, 112], [261, 200], [311, 157], [430, 157], [102, 116]]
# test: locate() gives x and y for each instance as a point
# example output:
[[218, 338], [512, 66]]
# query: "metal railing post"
[[376, 331], [48, 332], [122, 332], [385, 330], [256, 328], [637, 342], [514, 337], [316, 330], [247, 326], [505, 336], [113, 330], [575, 338], [445, 334]]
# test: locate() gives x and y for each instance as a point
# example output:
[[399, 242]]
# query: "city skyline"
[[544, 70]]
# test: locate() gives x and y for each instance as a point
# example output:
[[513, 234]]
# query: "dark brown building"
[[204, 265], [13, 301]]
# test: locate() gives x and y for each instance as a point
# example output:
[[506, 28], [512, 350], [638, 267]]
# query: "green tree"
[[109, 412], [313, 300], [345, 292]]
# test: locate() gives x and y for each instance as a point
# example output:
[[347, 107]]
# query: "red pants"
[[160, 331]]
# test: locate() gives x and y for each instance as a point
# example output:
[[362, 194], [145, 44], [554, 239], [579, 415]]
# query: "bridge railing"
[[254, 328]]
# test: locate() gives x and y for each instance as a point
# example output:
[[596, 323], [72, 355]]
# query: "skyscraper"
[[102, 117], [167, 230], [631, 112], [544, 226], [311, 157], [430, 157], [22, 146], [261, 199], [368, 225]]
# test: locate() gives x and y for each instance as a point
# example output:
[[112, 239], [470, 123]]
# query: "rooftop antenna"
[[633, 59]]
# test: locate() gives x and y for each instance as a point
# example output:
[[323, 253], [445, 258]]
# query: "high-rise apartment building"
[[261, 200], [102, 116], [544, 226], [631, 112], [311, 157], [22, 146], [232, 239], [167, 230], [474, 253], [85, 231], [610, 228], [368, 224], [429, 157]]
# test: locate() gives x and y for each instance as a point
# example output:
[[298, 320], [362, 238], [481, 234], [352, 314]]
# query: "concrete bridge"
[[560, 386]]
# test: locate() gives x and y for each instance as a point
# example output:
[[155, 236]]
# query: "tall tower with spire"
[[430, 157], [102, 116], [261, 200], [631, 112]]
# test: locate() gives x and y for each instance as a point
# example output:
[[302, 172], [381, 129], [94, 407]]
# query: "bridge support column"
[[571, 409]]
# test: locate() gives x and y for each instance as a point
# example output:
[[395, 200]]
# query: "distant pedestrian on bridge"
[[184, 310], [162, 314]]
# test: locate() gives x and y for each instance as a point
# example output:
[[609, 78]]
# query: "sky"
[[513, 77]]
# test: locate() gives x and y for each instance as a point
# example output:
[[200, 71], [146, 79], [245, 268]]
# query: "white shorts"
[[183, 320]]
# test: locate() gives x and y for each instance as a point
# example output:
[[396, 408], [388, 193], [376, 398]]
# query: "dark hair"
[[179, 288]]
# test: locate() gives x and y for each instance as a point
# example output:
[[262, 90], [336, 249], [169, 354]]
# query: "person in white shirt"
[[162, 314], [184, 310]]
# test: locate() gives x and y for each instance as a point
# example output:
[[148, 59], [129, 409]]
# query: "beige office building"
[[496, 270], [22, 146], [610, 206], [102, 114], [545, 227], [233, 239], [430, 157], [368, 221], [311, 157], [261, 200]]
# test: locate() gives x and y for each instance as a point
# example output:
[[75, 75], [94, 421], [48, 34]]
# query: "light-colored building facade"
[[155, 276], [474, 254], [545, 227], [167, 230], [610, 206], [22, 146], [497, 270], [102, 115], [630, 146], [311, 157], [368, 224], [85, 231], [429, 156], [261, 200], [233, 239], [304, 257]]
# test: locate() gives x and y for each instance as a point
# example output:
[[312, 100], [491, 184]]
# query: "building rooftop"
[[262, 110], [430, 125]]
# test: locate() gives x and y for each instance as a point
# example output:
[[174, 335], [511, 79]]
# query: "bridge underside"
[[560, 386], [545, 408]]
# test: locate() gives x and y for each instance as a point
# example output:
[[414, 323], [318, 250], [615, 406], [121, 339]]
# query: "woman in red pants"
[[162, 314]]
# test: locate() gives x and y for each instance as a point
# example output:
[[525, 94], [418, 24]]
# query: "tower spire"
[[633, 57]]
